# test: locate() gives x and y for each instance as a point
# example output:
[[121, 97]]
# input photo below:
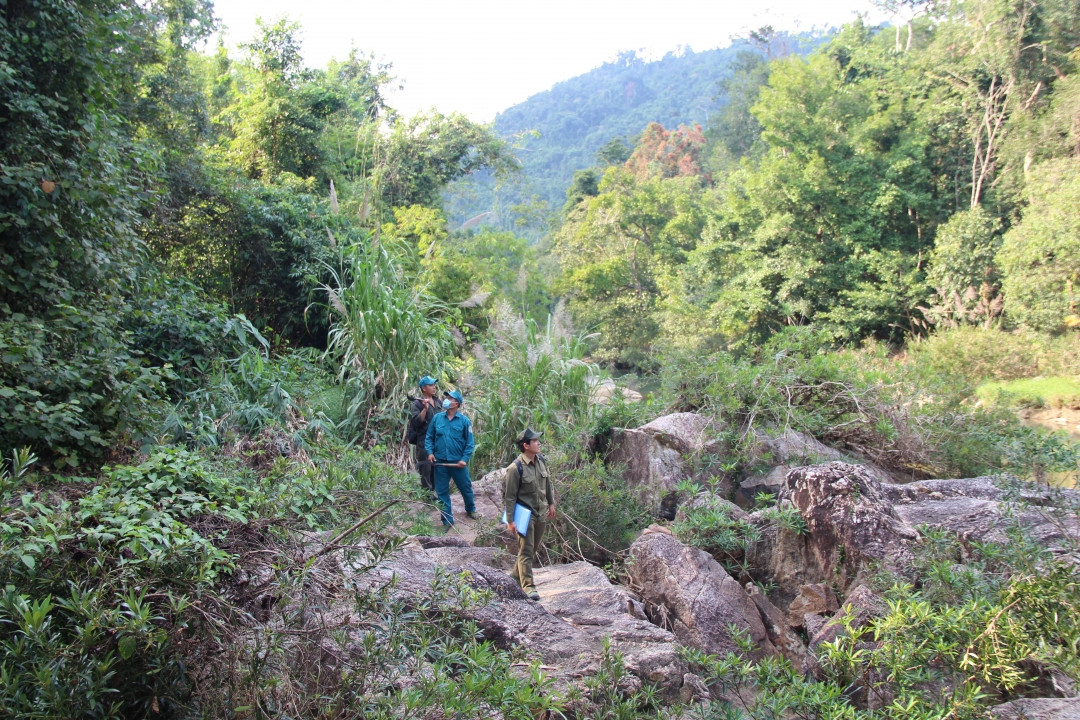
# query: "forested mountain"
[[559, 131]]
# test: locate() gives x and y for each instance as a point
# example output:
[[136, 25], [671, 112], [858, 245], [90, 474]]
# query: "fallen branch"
[[356, 526]]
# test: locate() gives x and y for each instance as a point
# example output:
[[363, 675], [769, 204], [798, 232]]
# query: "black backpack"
[[410, 426], [521, 466]]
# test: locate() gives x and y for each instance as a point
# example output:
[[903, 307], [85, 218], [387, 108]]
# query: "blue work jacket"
[[450, 440]]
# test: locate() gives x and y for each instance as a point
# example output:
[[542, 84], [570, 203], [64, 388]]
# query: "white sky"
[[479, 57]]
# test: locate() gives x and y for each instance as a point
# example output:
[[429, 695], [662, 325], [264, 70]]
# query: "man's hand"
[[511, 527], [461, 463], [551, 512], [431, 458]]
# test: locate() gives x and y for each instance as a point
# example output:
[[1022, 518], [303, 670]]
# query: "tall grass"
[[538, 378], [384, 333]]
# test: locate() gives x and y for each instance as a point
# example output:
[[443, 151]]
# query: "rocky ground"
[[857, 518]]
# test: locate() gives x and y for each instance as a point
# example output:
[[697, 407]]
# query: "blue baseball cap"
[[427, 380], [456, 395]]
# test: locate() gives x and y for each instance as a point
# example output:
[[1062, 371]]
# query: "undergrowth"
[[899, 416]]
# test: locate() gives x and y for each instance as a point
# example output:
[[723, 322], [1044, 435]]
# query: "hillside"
[[560, 130]]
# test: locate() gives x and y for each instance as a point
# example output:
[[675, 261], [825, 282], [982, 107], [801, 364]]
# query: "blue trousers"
[[442, 490]]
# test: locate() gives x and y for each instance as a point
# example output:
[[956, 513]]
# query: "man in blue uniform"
[[449, 444]]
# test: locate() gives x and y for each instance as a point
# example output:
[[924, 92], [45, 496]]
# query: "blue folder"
[[522, 516]]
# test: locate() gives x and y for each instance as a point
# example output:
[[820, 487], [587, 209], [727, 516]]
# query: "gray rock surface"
[[1038, 709], [851, 525], [655, 456], [689, 592], [978, 509], [581, 594], [579, 608]]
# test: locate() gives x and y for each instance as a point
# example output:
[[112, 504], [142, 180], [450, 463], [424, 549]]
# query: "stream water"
[[1064, 420]]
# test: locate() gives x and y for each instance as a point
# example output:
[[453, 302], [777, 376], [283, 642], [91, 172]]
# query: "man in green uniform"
[[529, 483]]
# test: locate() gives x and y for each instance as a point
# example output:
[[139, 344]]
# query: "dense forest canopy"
[[561, 131], [881, 185]]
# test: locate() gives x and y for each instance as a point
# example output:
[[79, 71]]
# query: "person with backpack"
[[423, 409], [528, 483], [449, 444]]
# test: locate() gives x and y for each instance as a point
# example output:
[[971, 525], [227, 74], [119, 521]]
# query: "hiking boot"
[[471, 515], [446, 529], [533, 595]]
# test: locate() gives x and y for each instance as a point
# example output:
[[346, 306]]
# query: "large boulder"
[[850, 524], [656, 456], [1038, 709], [582, 595], [603, 391], [793, 448], [788, 450], [689, 592]]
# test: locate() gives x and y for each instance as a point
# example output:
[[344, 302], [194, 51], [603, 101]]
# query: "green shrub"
[[901, 415], [597, 517], [977, 355], [242, 395], [71, 386], [384, 335]]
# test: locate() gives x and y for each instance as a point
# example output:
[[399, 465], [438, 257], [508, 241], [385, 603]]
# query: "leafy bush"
[[240, 396], [171, 322], [598, 517], [975, 355], [71, 384]]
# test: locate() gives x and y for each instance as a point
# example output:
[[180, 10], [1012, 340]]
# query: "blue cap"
[[456, 395], [427, 380]]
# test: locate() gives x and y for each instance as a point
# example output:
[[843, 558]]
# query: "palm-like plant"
[[539, 378], [384, 332]]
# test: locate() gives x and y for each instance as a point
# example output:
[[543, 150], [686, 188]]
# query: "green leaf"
[[127, 646], [28, 560]]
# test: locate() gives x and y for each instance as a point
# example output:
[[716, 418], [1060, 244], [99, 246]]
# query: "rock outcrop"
[[581, 594], [656, 456], [850, 526], [977, 509], [687, 591], [1038, 709], [580, 609]]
